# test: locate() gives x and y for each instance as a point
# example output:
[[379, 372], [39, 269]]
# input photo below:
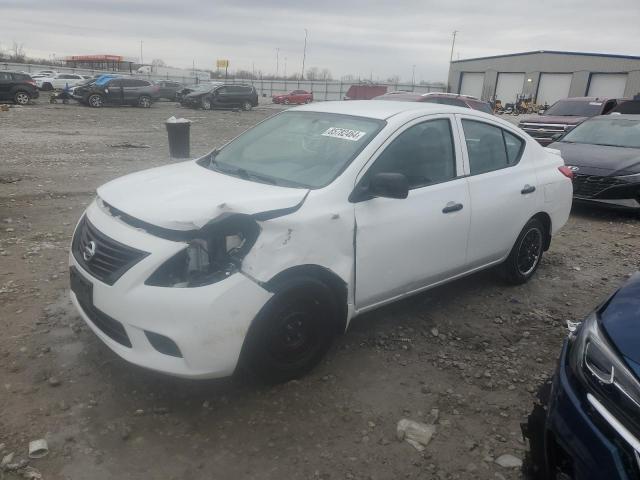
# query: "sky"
[[364, 38]]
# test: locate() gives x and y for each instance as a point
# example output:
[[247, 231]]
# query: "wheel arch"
[[546, 222], [337, 285]]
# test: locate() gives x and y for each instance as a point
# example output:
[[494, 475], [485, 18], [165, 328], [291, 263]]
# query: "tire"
[[95, 101], [21, 97], [526, 254], [286, 101], [292, 332], [206, 104], [47, 87], [308, 100], [246, 106], [144, 101]]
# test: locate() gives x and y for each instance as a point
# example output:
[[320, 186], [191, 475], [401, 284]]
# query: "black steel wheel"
[[292, 332], [526, 254]]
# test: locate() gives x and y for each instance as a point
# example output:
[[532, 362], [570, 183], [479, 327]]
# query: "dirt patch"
[[474, 350]]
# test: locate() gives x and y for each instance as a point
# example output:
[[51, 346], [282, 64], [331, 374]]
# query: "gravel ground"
[[468, 356]]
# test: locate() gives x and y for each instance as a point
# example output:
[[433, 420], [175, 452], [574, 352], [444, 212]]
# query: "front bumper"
[[580, 439], [208, 324]]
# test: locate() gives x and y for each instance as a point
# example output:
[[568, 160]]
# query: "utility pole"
[[304, 53], [413, 76], [141, 60], [277, 62], [453, 43]]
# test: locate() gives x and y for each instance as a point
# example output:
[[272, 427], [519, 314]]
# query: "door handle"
[[452, 207], [528, 189]]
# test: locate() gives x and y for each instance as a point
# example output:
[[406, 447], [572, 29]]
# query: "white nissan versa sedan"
[[257, 254]]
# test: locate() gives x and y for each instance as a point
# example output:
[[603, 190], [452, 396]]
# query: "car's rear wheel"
[[95, 101], [246, 106], [144, 101], [308, 100], [292, 332], [526, 254], [21, 98], [206, 104]]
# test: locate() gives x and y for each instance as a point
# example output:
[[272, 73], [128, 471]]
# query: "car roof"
[[377, 109], [585, 99]]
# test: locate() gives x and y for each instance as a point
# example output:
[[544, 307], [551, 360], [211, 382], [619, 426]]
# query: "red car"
[[297, 96]]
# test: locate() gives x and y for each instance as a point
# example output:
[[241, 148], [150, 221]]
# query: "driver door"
[[403, 245]]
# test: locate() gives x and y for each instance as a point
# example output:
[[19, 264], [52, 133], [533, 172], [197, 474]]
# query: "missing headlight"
[[215, 253]]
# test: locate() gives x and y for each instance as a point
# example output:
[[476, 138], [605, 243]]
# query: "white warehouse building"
[[546, 76]]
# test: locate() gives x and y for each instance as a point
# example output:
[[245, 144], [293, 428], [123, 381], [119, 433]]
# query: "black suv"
[[18, 87], [118, 91], [222, 97]]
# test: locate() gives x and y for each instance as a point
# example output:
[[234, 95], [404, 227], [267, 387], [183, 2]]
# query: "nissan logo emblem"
[[89, 251], [573, 169]]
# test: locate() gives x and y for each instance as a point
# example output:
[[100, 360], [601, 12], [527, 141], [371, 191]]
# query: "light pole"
[[413, 77], [277, 62], [141, 61], [453, 43], [285, 68], [304, 53]]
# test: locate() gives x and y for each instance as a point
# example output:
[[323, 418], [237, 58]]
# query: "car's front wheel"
[[95, 101], [308, 100], [206, 104], [292, 332], [144, 101], [287, 101], [21, 98], [526, 254], [47, 87]]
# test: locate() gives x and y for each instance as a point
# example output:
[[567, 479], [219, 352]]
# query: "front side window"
[[490, 147], [298, 149], [424, 153]]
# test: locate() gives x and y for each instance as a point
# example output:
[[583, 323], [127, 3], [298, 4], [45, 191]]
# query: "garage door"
[[509, 86], [471, 84], [553, 87], [609, 85]]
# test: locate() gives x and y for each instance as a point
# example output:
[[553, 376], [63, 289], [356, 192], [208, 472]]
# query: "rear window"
[[631, 107], [573, 108], [480, 106]]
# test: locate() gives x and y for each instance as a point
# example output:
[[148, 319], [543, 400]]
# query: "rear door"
[[503, 188], [403, 245], [6, 83]]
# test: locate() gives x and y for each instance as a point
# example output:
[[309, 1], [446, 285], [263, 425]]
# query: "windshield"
[[617, 132], [298, 149], [572, 108]]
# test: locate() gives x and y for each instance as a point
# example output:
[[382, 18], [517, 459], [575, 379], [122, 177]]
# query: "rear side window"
[[490, 147], [6, 76], [456, 102]]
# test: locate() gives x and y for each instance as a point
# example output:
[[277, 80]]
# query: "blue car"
[[592, 424]]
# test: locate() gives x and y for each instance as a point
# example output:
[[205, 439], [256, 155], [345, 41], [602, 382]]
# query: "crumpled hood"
[[194, 95], [550, 119], [186, 196], [600, 159]]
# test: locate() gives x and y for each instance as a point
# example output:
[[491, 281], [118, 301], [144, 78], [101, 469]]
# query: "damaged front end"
[[212, 253]]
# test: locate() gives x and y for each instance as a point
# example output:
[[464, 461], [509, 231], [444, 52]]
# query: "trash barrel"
[[178, 130]]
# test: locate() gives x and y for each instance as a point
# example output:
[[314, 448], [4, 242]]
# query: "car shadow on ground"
[[604, 214]]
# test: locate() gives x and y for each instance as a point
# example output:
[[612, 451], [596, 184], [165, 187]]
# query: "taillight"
[[566, 171], [32, 82]]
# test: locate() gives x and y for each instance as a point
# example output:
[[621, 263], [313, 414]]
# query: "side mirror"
[[389, 185]]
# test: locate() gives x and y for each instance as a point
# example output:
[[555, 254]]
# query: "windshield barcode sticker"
[[344, 133]]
